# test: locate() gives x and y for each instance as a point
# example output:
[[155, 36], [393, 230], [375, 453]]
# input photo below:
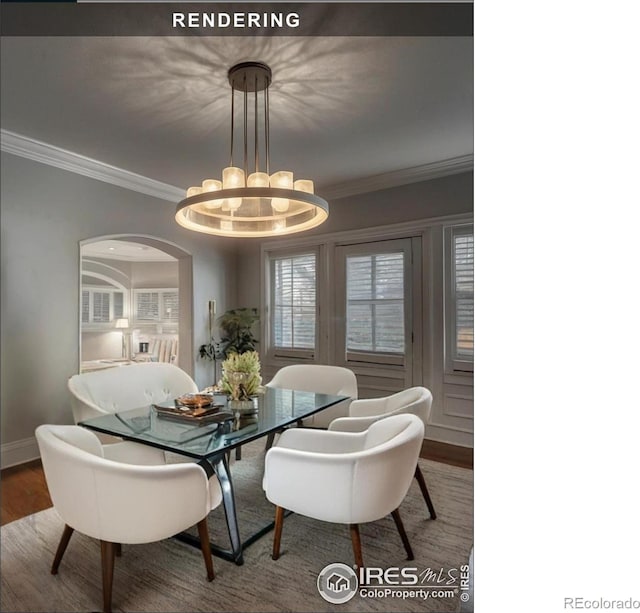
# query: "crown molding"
[[44, 153], [396, 178]]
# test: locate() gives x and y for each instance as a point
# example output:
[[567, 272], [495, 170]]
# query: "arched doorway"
[[134, 288]]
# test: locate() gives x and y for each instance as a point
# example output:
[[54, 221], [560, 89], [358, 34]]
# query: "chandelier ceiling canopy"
[[250, 200]]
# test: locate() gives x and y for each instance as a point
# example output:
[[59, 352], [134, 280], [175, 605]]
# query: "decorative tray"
[[192, 414], [193, 400]]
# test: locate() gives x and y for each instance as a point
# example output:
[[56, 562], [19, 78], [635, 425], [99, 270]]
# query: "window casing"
[[293, 305], [459, 300]]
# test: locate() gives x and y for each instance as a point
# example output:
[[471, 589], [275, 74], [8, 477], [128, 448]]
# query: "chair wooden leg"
[[277, 532], [403, 535], [62, 547], [108, 552], [205, 545], [425, 492], [357, 546]]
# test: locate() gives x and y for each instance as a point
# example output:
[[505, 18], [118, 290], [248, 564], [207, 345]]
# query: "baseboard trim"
[[19, 452], [447, 453]]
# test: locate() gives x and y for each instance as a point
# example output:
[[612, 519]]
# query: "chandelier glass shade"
[[245, 201]]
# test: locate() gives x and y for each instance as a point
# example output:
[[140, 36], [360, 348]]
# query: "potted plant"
[[241, 379], [236, 327]]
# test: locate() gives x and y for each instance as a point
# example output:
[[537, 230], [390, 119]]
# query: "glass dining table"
[[210, 442]]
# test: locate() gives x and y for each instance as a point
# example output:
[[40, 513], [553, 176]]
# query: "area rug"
[[170, 575]]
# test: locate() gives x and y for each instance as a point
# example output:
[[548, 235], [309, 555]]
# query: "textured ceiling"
[[342, 108]]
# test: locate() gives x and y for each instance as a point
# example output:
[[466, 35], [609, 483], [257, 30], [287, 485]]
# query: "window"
[[156, 305], [170, 306], [101, 305], [147, 306], [375, 303], [459, 297], [86, 308], [293, 304]]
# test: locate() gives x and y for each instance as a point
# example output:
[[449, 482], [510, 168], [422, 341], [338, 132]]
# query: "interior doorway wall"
[[116, 279]]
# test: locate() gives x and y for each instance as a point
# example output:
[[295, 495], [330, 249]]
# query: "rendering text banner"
[[236, 19]]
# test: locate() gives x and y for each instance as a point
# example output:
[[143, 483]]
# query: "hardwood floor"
[[23, 489]]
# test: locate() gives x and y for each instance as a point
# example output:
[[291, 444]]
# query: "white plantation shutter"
[[147, 306], [118, 305], [85, 306], [170, 306], [459, 297], [101, 308], [375, 303], [293, 302], [157, 305], [463, 283]]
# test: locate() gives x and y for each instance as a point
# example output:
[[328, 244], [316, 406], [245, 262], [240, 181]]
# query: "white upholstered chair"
[[362, 413], [126, 387], [122, 493], [344, 477], [334, 380]]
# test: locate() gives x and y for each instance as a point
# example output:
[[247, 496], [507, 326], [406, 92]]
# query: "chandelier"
[[256, 202]]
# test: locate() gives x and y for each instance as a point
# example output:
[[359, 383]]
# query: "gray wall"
[[101, 345], [45, 213], [435, 198]]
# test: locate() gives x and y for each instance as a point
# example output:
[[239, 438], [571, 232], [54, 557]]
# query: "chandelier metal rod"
[[255, 123], [266, 123], [246, 156], [232, 114]]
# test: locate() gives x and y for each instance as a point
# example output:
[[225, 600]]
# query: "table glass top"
[[275, 408]]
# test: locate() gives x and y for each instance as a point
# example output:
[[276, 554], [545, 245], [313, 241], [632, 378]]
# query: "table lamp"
[[123, 324]]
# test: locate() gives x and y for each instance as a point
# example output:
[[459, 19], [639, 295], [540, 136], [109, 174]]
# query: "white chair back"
[[345, 478], [334, 380], [363, 413], [323, 379], [386, 468], [126, 387]]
